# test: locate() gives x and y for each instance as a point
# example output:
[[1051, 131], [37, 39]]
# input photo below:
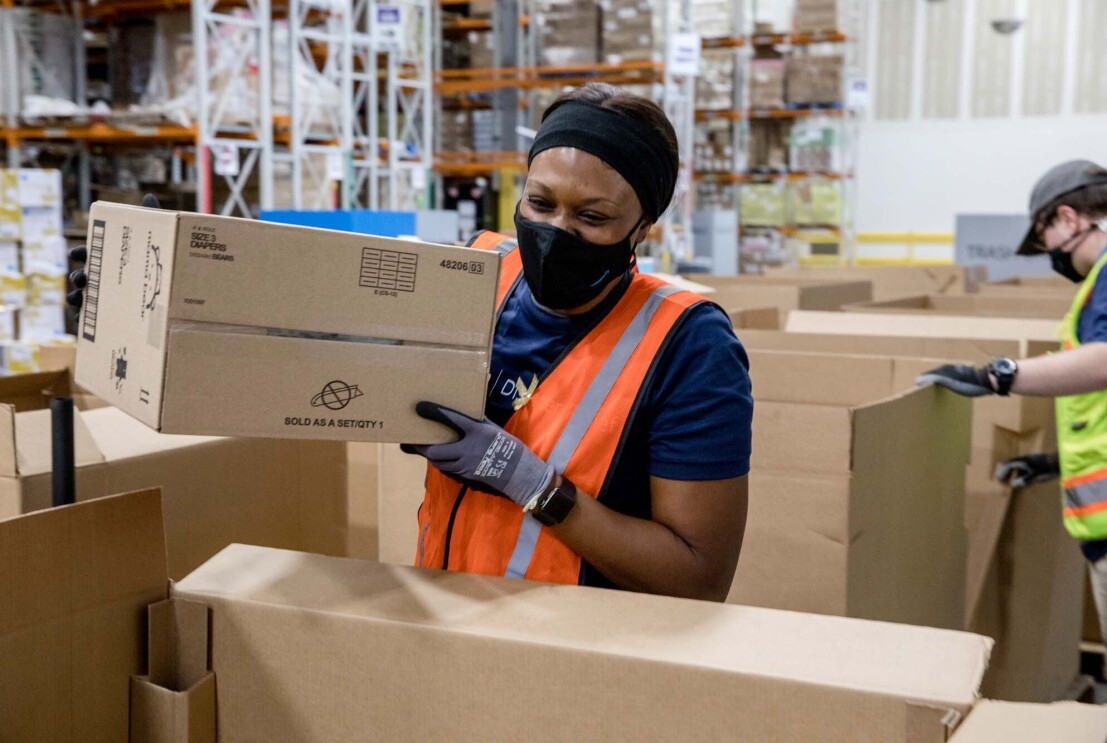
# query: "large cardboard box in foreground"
[[310, 648], [281, 493], [856, 492], [316, 650], [213, 325]]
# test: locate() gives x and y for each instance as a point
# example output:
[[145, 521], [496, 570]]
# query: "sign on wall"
[[991, 240]]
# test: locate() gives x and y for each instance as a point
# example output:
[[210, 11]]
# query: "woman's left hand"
[[484, 457]]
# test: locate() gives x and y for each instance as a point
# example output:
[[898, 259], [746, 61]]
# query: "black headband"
[[632, 147]]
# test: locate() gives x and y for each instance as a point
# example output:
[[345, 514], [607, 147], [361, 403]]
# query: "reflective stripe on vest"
[[575, 419], [583, 416], [1082, 437]]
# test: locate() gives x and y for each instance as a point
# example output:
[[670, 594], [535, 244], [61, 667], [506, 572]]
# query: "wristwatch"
[[1004, 370], [553, 504]]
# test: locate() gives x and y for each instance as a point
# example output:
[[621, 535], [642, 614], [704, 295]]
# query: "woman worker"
[[615, 445]]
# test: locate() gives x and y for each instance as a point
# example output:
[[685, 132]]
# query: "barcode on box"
[[388, 269], [92, 288]]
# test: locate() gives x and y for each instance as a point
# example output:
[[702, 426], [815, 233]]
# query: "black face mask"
[[1062, 264], [564, 271], [1062, 261]]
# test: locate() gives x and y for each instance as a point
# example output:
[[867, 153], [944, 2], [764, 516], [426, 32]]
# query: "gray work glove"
[[970, 381], [1021, 472], [79, 278], [485, 457]]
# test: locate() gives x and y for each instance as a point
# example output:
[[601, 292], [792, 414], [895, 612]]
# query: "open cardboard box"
[[890, 282], [200, 324], [785, 294], [977, 305], [922, 325], [856, 492], [1024, 285], [1023, 570], [309, 648], [282, 493]]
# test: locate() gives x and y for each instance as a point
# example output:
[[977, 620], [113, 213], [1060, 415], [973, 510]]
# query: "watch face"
[[1004, 366]]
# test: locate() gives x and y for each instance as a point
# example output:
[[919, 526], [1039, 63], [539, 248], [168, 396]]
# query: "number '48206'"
[[455, 265]]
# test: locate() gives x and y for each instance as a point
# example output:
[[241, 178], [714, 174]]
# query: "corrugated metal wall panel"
[[942, 63], [1091, 58], [1044, 60], [895, 52], [991, 82]]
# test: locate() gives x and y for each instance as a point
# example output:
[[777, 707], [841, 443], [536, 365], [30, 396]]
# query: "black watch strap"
[[552, 506], [1004, 371]]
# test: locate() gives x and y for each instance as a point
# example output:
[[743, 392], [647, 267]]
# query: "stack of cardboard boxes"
[[568, 33], [814, 79], [767, 83], [633, 31], [33, 267], [817, 16], [864, 505]]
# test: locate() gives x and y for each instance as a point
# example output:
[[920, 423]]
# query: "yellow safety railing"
[[909, 241]]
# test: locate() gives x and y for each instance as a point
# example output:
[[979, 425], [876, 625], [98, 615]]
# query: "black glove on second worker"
[[1031, 469], [970, 381], [485, 457], [79, 278]]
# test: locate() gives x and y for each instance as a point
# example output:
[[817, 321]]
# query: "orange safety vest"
[[575, 420]]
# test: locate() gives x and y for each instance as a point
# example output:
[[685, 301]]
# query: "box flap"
[[33, 391], [35, 444], [9, 462], [934, 326], [908, 462], [820, 379], [1013, 722], [178, 642], [939, 667], [950, 349], [119, 436], [75, 582]]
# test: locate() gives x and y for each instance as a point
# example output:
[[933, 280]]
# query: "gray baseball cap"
[[1059, 180]]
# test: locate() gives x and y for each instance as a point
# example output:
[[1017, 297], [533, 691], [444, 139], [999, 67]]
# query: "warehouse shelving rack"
[[365, 169], [519, 75], [832, 242]]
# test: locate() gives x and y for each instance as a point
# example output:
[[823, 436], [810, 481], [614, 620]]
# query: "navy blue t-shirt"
[[695, 419], [1092, 328]]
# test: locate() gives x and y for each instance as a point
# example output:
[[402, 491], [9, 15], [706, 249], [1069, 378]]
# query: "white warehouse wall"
[[963, 119], [914, 176]]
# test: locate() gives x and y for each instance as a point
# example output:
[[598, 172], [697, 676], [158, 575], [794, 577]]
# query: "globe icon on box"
[[336, 395]]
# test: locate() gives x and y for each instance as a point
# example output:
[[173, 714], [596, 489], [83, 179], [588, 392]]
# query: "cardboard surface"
[[1006, 722], [1032, 602], [216, 491], [175, 701], [977, 305], [298, 639], [785, 294], [214, 325], [890, 282], [1020, 566], [401, 493], [856, 494], [932, 326], [74, 586]]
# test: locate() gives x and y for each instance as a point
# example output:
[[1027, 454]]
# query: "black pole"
[[64, 473]]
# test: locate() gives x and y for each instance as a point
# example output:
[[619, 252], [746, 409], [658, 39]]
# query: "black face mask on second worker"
[[565, 271], [1062, 260]]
